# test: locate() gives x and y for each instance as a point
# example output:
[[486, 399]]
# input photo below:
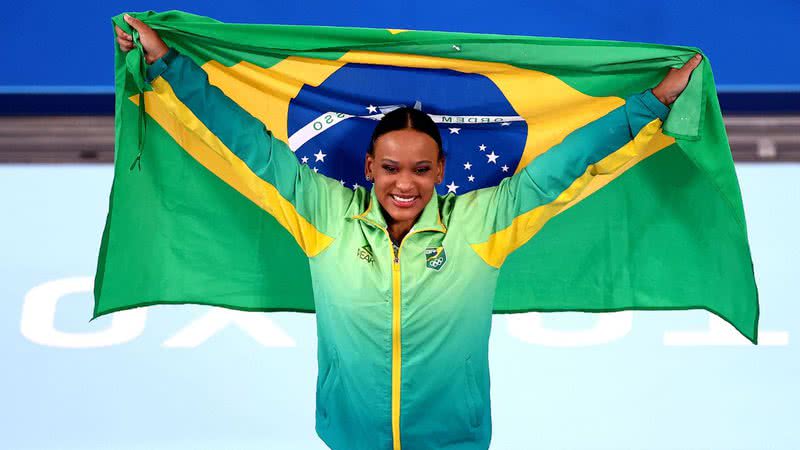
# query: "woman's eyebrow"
[[391, 161]]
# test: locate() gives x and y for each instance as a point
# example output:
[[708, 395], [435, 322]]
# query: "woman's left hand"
[[676, 80]]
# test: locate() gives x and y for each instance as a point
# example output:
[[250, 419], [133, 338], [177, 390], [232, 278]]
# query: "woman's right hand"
[[154, 47]]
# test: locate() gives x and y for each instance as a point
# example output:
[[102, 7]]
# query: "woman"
[[403, 279]]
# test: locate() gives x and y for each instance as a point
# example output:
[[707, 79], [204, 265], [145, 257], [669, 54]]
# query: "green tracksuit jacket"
[[403, 341]]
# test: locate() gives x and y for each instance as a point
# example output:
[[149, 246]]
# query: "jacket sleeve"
[[518, 207], [306, 203]]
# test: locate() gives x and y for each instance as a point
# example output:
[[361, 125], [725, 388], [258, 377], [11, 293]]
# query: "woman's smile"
[[404, 201]]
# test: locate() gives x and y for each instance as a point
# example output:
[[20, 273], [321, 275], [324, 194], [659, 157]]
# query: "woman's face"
[[405, 168]]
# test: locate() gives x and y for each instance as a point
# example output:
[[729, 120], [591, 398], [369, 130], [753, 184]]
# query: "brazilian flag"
[[664, 231]]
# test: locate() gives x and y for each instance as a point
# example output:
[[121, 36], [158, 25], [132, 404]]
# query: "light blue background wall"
[[751, 45], [643, 390]]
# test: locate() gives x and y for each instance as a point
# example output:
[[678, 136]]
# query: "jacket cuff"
[[160, 65], [652, 103]]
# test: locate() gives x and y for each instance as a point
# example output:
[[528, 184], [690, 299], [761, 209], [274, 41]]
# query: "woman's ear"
[[440, 171], [368, 160]]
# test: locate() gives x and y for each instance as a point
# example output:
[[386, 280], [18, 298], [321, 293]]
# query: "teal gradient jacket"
[[403, 341]]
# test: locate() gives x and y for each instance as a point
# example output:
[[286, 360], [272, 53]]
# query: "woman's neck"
[[398, 230]]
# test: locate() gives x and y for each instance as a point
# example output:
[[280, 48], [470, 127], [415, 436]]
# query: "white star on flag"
[[356, 186], [467, 166], [505, 124], [492, 158], [372, 109], [505, 168], [454, 130], [320, 156], [452, 187], [471, 178], [316, 170], [304, 159], [482, 148], [341, 181]]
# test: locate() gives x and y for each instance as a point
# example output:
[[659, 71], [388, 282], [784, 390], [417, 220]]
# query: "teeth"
[[403, 199]]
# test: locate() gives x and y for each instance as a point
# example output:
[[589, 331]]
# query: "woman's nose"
[[404, 182]]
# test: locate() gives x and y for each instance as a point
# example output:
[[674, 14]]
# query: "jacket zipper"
[[396, 344], [396, 338]]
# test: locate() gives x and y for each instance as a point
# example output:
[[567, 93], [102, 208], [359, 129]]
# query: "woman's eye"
[[421, 170], [390, 169]]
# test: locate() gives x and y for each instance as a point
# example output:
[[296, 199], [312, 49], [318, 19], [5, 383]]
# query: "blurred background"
[[189, 377]]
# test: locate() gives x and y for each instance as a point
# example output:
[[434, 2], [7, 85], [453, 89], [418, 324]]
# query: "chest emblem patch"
[[435, 257], [365, 253]]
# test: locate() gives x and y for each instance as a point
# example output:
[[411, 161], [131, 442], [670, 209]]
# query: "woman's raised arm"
[[315, 202], [520, 205]]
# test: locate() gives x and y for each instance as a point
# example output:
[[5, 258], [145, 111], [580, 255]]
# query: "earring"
[[369, 178]]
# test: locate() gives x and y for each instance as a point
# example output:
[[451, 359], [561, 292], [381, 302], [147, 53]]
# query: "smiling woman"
[[405, 162]]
